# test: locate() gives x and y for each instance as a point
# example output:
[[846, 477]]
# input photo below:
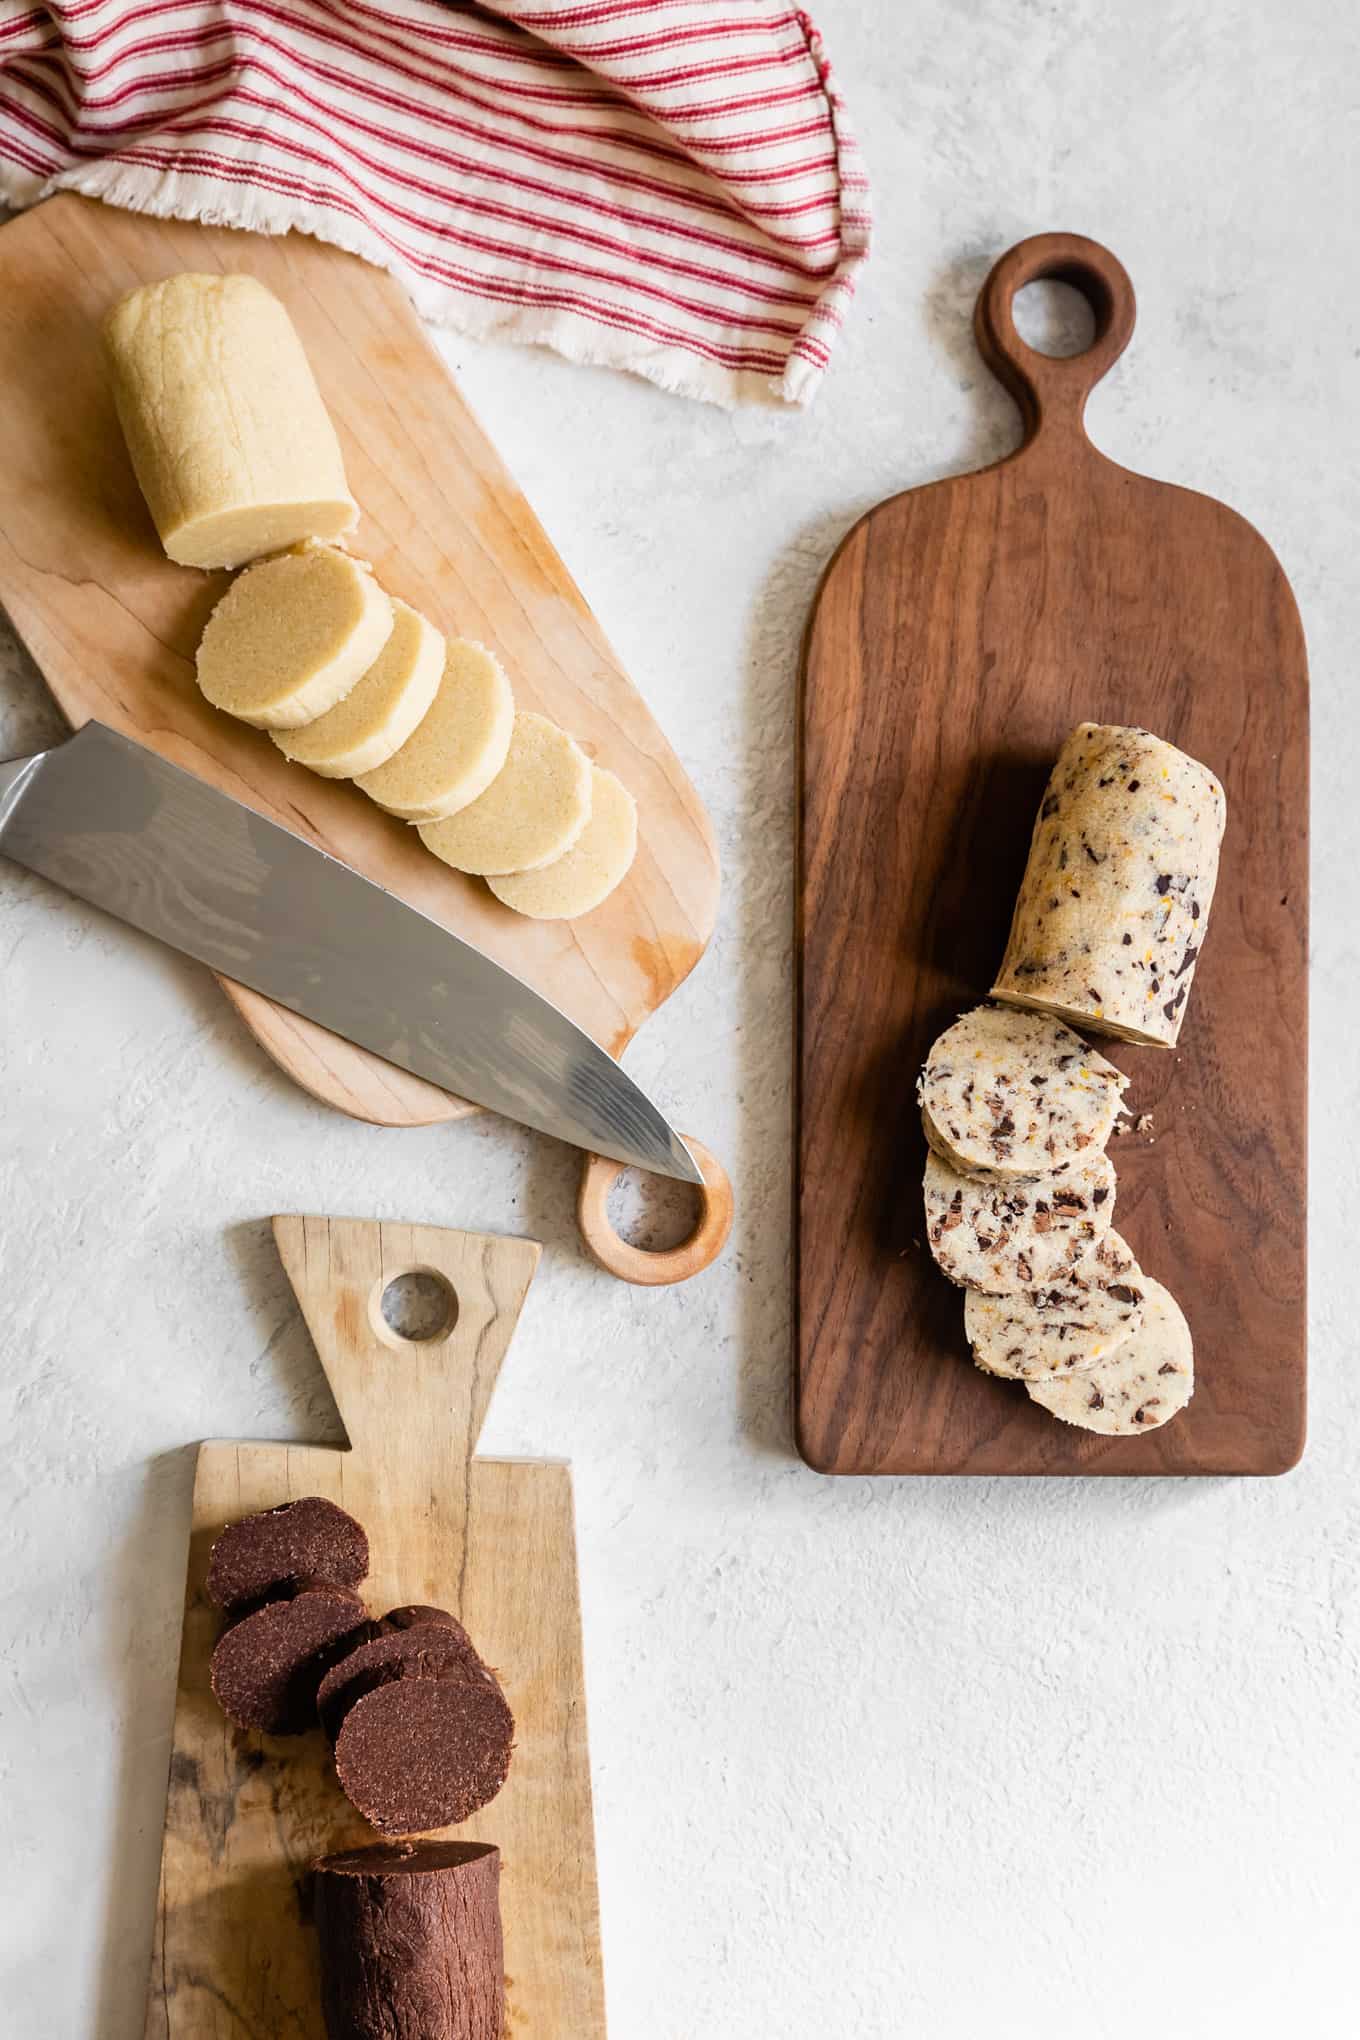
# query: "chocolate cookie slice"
[[268, 1665], [417, 1754], [308, 1539], [411, 1945], [429, 1650], [416, 1615]]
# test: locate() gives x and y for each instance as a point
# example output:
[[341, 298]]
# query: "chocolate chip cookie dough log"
[[230, 440], [1114, 904], [411, 1944]]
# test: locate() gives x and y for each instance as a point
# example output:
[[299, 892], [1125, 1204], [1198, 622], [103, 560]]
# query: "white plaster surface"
[[871, 1759]]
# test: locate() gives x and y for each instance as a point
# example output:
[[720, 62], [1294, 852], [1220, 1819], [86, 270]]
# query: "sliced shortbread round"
[[1145, 1382], [1020, 1233], [1017, 1094], [292, 636], [459, 745], [534, 810], [1064, 1327], [587, 873], [381, 710]]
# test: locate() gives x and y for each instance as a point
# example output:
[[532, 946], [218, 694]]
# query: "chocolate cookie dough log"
[[268, 1666], [411, 1944], [417, 1754], [1016, 1094], [306, 1539], [231, 443], [424, 1650], [1017, 1233], [1114, 905], [1139, 1387], [1065, 1327]]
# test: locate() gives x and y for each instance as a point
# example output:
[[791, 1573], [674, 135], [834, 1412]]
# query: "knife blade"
[[124, 829]]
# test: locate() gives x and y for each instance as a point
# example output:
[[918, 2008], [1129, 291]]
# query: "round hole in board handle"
[[689, 1256], [1054, 318], [414, 1308]]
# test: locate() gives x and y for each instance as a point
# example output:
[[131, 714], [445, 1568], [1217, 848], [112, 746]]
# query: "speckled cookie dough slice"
[[1020, 1233], [292, 636], [1114, 905], [1147, 1381], [1063, 1327], [534, 810], [584, 877], [381, 710], [459, 745], [1016, 1094]]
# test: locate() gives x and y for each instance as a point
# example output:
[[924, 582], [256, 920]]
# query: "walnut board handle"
[[1052, 390]]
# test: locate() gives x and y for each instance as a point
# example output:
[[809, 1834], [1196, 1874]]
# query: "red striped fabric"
[[656, 185]]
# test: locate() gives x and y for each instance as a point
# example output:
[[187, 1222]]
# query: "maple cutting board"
[[113, 624], [493, 1541], [960, 632]]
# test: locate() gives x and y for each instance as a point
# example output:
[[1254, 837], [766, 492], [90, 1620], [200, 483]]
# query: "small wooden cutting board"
[[114, 625], [960, 632], [491, 1540]]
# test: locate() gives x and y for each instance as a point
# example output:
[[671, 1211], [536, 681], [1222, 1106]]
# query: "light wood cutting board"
[[960, 632], [493, 1540], [113, 624]]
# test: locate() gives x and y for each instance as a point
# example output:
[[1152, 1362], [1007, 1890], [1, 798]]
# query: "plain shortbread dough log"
[[1063, 1327], [586, 874], [1114, 905], [381, 710], [229, 438], [535, 809], [1146, 1382], [1018, 1233], [459, 745], [411, 1942], [292, 636], [1005, 1093]]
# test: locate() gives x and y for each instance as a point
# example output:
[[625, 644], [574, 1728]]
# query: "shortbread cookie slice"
[[1020, 1233], [1146, 1382], [457, 748], [1063, 1327], [535, 809], [1017, 1094], [292, 636], [381, 710], [586, 875]]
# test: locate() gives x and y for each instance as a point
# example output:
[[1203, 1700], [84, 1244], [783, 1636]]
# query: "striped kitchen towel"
[[656, 185]]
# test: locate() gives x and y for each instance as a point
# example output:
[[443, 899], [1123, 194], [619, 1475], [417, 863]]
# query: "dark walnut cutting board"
[[960, 632]]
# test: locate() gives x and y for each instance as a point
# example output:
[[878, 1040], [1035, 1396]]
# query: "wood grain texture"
[[494, 1541], [960, 632], [113, 624]]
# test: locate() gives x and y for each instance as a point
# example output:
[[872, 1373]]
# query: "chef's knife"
[[121, 827]]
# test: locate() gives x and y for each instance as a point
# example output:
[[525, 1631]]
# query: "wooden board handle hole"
[[689, 1256], [416, 1308], [1054, 385]]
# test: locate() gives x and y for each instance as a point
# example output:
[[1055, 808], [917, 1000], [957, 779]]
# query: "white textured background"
[[871, 1759]]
